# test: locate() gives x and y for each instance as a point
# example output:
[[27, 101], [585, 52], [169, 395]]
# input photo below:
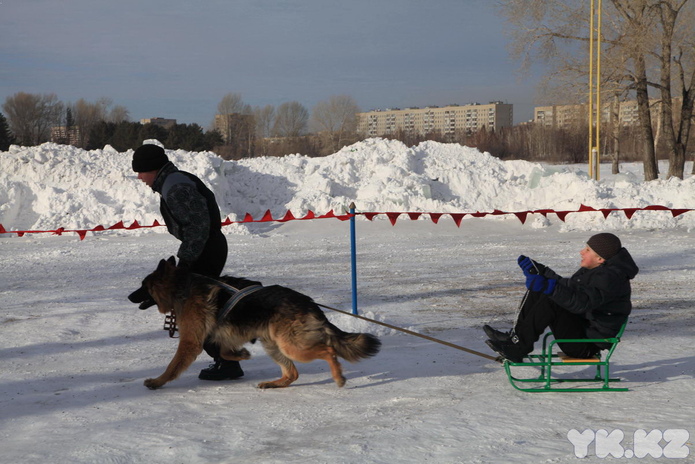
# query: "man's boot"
[[222, 370]]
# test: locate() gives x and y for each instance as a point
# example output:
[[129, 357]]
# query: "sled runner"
[[547, 361]]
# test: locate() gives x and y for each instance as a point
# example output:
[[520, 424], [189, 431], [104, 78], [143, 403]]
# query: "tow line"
[[410, 332]]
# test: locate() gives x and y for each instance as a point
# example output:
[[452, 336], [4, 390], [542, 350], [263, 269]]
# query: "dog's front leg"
[[187, 351]]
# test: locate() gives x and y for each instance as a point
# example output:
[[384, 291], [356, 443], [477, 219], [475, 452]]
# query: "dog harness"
[[237, 296]]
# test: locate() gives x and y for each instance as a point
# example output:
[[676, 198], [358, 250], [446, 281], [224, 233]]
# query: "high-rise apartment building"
[[161, 122], [446, 119]]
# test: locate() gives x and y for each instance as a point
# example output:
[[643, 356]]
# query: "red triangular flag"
[[81, 233], [416, 216], [457, 217], [329, 214], [248, 218], [606, 212], [134, 225], [118, 225], [629, 212], [655, 208], [586, 208], [561, 215], [522, 216], [675, 212], [309, 215], [288, 216], [2, 230], [435, 217], [267, 217], [393, 217], [370, 216], [98, 228]]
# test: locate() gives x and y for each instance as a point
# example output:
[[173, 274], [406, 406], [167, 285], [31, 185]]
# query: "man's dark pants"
[[210, 264]]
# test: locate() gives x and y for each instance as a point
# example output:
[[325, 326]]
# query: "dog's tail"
[[354, 346]]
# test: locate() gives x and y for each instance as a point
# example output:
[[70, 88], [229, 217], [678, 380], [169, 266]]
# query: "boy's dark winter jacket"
[[601, 295]]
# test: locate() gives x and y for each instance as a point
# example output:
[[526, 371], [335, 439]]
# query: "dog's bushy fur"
[[290, 325]]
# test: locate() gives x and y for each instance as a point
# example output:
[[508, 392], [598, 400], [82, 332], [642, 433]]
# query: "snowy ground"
[[74, 352]]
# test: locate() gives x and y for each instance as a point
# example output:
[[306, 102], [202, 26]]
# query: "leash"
[[410, 332]]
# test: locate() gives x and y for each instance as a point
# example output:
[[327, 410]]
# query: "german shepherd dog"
[[290, 326]]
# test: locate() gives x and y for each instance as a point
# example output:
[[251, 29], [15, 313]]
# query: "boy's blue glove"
[[538, 283], [530, 266], [526, 264]]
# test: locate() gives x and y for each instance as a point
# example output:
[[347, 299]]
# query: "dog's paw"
[[153, 384]]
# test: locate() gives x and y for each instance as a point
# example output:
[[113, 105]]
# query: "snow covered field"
[[74, 352]]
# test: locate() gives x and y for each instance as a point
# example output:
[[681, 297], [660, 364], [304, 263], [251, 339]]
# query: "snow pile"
[[52, 186]]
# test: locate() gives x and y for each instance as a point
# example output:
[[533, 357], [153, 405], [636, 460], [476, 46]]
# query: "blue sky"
[[177, 59]]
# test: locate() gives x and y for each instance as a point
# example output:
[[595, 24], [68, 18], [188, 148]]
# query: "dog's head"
[[161, 284]]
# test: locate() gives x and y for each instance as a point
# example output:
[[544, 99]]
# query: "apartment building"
[[447, 119], [161, 122], [67, 135], [567, 116]]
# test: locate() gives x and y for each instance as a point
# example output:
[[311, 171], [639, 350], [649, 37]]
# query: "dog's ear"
[[172, 260], [161, 265]]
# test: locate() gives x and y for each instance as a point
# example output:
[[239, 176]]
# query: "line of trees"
[[289, 128], [33, 119], [238, 130]]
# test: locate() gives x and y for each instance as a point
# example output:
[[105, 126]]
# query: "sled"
[[548, 362]]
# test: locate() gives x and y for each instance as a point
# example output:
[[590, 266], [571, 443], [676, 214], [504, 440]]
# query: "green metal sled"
[[546, 361]]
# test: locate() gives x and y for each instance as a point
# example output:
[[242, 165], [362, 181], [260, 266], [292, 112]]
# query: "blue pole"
[[353, 256]]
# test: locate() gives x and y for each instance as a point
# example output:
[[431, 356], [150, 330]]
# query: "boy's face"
[[590, 259]]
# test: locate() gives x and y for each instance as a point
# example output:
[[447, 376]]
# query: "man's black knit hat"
[[605, 245], [149, 158]]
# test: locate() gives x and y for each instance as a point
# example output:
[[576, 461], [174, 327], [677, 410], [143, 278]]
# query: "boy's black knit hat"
[[149, 158], [605, 245]]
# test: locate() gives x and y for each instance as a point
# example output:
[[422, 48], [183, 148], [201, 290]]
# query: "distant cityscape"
[[446, 120]]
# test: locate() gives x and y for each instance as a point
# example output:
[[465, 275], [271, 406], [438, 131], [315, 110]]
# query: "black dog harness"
[[237, 296]]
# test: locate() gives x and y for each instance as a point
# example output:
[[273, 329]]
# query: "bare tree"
[[234, 121], [291, 120], [334, 120], [30, 116], [264, 118], [233, 103], [118, 114], [677, 45], [87, 115], [638, 38]]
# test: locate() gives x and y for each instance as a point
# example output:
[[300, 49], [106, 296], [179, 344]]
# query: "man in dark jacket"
[[593, 303], [192, 215]]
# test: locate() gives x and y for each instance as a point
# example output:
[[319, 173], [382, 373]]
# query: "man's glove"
[[538, 283], [142, 296]]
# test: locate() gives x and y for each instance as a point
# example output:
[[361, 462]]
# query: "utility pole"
[[595, 89]]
